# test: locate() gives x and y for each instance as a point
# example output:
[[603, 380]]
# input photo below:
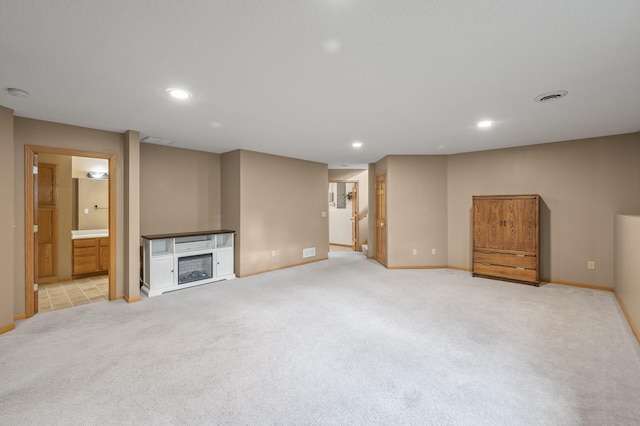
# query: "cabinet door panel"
[[161, 272], [84, 264], [521, 232], [224, 262], [487, 232]]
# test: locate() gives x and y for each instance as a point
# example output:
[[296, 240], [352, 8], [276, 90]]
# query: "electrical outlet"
[[323, 214], [433, 251], [415, 252], [591, 264], [273, 252]]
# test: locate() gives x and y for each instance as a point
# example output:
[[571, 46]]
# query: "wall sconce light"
[[98, 175]]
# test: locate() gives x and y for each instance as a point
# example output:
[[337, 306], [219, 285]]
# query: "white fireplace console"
[[176, 261]]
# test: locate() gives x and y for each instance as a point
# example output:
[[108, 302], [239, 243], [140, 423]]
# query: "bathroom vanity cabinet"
[[90, 256]]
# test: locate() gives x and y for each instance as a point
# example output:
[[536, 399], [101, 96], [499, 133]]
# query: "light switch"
[[323, 214], [86, 211]]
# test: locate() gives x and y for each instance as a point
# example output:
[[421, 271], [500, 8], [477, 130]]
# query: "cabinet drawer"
[[506, 259], [84, 251], [84, 242], [507, 272]]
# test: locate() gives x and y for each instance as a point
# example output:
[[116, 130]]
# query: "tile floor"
[[56, 296]]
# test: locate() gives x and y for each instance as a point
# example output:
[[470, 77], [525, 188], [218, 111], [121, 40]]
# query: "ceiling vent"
[[157, 141], [551, 96]]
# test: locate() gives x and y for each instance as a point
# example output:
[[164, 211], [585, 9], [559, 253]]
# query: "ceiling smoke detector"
[[551, 96]]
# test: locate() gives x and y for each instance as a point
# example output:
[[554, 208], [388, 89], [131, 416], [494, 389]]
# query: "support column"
[[132, 216]]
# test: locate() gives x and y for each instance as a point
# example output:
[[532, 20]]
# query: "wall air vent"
[[551, 96], [309, 252], [157, 141]]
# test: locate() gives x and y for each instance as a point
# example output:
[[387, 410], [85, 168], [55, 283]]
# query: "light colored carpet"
[[337, 342]]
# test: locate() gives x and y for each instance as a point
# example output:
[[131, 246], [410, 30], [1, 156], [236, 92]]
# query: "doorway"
[[344, 219], [105, 244]]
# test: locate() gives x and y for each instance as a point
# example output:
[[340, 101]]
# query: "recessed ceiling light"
[[18, 92], [357, 144], [551, 96], [486, 123], [179, 93], [332, 46], [215, 124]]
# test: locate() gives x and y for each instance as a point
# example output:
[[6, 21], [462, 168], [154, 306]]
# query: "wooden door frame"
[[29, 281], [355, 231], [375, 226]]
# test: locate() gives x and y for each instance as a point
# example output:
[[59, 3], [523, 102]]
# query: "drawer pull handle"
[[486, 264], [520, 255], [519, 268], [486, 252]]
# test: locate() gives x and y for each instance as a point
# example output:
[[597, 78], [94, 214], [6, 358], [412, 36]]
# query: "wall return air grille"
[[309, 252]]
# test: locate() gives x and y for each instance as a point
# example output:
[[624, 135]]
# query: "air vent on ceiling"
[[551, 96], [157, 141]]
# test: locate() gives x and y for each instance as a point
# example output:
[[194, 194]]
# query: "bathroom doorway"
[[79, 264]]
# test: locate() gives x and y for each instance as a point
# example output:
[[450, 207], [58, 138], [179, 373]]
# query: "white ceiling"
[[411, 76]]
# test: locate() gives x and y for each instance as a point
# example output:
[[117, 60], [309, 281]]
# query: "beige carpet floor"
[[338, 342]]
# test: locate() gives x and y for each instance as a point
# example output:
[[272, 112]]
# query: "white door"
[[224, 262]]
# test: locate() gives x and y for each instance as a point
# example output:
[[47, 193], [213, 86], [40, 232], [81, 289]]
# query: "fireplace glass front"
[[195, 268]]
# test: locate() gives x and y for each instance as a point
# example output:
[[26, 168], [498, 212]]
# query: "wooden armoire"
[[506, 234]]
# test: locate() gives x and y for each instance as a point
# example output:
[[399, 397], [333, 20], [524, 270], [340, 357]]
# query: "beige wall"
[[179, 190], [7, 230], [230, 199], [65, 203], [583, 185], [281, 205], [362, 177], [626, 271], [416, 211], [43, 133]]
